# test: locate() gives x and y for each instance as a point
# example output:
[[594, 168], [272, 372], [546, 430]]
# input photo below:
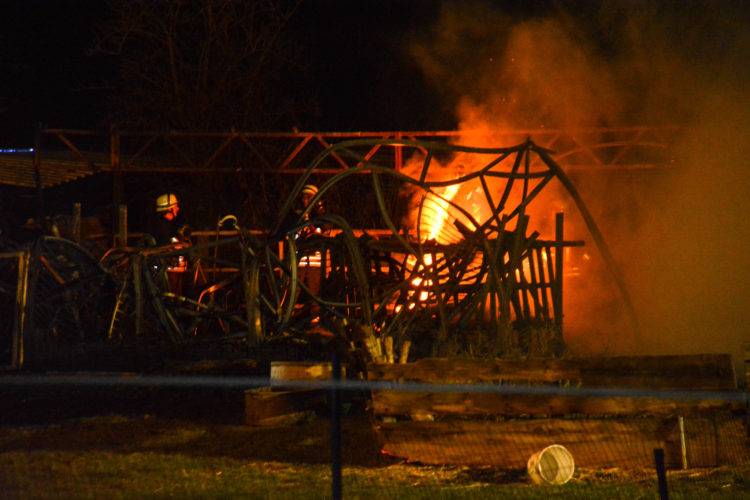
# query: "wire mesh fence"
[[501, 413], [139, 436]]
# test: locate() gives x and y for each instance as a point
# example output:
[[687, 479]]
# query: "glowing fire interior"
[[434, 215], [440, 218]]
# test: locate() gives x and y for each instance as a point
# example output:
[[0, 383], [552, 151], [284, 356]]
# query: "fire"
[[447, 215], [418, 281], [435, 214]]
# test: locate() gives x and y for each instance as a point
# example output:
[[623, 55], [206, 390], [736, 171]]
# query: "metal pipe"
[[683, 442]]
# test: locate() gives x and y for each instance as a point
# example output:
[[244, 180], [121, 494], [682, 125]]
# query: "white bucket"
[[552, 465]]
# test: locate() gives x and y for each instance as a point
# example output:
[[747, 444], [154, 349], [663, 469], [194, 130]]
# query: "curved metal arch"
[[364, 165]]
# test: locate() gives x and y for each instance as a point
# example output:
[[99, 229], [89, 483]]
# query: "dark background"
[[682, 237], [344, 66], [351, 69]]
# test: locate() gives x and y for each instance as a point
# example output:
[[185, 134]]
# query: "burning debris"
[[463, 274]]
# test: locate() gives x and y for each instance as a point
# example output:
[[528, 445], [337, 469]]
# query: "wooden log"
[[483, 404], [438, 370], [545, 287], [697, 371], [404, 356], [535, 286], [388, 344], [689, 372], [552, 279]]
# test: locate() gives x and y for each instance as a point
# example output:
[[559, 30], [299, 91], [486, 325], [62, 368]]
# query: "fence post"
[[661, 473], [746, 356], [557, 283], [335, 428]]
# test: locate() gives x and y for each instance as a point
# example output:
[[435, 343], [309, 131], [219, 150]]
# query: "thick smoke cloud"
[[679, 235]]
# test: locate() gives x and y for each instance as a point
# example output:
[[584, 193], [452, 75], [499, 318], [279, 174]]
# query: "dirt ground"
[[302, 443], [209, 423], [86, 418]]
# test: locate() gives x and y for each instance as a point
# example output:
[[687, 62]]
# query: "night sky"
[[45, 73], [353, 68], [349, 56]]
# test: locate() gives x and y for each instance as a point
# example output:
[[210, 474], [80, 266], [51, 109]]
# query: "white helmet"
[[166, 202], [310, 189]]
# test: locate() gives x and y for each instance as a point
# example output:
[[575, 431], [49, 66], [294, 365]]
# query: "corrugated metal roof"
[[18, 169]]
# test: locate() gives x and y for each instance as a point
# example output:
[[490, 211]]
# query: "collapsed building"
[[450, 262]]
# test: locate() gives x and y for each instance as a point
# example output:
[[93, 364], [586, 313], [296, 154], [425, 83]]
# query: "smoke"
[[692, 276], [679, 235]]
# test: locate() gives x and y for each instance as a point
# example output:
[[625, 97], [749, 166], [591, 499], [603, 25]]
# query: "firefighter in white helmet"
[[167, 205], [170, 229], [308, 191], [170, 226], [306, 195], [308, 253]]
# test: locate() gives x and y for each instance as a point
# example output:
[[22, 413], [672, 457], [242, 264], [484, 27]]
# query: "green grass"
[[136, 458], [52, 475], [152, 475]]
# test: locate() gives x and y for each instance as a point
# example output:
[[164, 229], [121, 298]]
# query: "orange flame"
[[435, 214]]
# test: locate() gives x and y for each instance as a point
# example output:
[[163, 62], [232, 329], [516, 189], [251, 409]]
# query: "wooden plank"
[[597, 443], [691, 372], [266, 407], [400, 403], [697, 371], [299, 370], [545, 288], [284, 371], [459, 371]]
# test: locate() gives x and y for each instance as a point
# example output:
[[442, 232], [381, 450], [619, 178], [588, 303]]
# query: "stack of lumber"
[[285, 403], [702, 374], [609, 412]]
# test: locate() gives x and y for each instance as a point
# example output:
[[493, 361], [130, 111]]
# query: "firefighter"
[[308, 193], [310, 258], [170, 227]]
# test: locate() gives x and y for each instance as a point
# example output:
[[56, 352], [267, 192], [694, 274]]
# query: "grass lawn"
[[117, 457]]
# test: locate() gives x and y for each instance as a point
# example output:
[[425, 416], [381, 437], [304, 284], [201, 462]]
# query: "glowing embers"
[[420, 285], [530, 270], [440, 276]]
